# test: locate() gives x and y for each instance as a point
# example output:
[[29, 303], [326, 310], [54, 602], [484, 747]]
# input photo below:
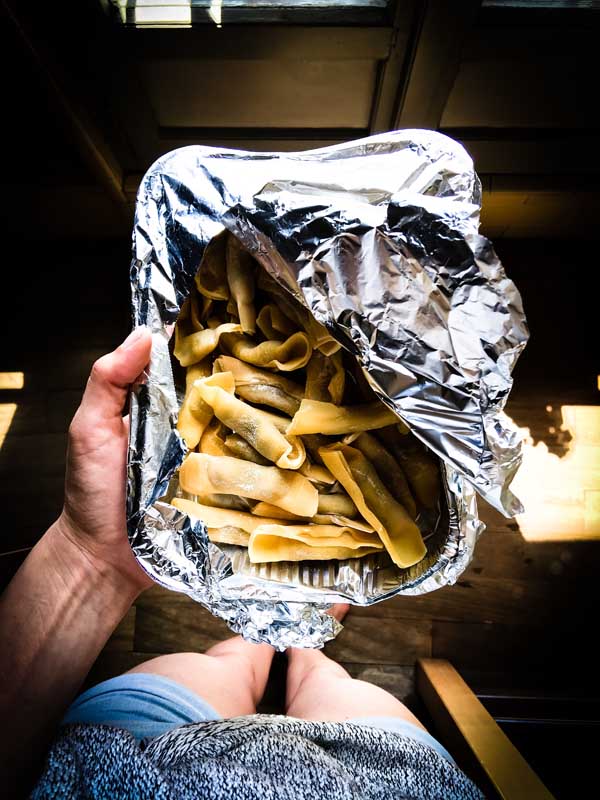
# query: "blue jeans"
[[149, 705]]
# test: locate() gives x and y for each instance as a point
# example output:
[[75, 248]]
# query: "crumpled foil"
[[378, 239]]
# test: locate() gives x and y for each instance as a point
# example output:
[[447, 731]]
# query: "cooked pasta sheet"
[[289, 355], [206, 474], [211, 278], [273, 323], [391, 473], [315, 416], [276, 542], [193, 348], [261, 386], [195, 414], [223, 525], [212, 441], [240, 277], [242, 418], [398, 532], [238, 447], [325, 378]]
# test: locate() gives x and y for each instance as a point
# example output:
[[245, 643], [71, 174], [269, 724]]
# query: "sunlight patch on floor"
[[562, 495]]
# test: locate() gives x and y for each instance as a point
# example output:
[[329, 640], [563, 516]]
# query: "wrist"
[[81, 565]]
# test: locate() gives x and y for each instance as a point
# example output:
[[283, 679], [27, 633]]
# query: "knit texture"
[[250, 758]]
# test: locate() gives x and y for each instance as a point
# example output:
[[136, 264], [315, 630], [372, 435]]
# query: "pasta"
[[398, 532], [282, 461], [195, 414], [261, 386], [211, 278], [205, 474], [388, 469], [259, 432], [289, 355], [223, 525], [193, 348], [315, 416], [240, 277], [276, 542]]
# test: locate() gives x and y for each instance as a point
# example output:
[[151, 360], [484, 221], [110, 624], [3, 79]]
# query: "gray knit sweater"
[[249, 758]]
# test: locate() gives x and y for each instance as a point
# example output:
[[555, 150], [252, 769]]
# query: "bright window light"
[[184, 13], [561, 496]]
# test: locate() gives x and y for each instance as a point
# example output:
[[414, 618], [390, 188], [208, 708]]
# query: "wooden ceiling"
[[90, 103]]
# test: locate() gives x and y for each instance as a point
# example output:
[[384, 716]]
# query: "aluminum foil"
[[378, 239]]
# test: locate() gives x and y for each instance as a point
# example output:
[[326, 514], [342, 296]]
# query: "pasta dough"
[[237, 446], [261, 386], [240, 277], [325, 378], [195, 414], [287, 356], [318, 417], [388, 469], [276, 542], [205, 474], [260, 433], [223, 524], [273, 323], [211, 278], [193, 348], [400, 535]]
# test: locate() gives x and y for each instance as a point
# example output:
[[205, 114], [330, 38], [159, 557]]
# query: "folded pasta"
[[206, 474], [240, 277], [243, 419], [315, 416], [291, 354], [398, 532], [193, 348], [223, 525], [391, 473], [276, 542], [261, 386], [211, 278]]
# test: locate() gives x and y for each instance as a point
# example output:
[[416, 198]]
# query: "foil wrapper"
[[378, 238]]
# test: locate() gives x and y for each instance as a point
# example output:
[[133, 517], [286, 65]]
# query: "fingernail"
[[133, 337]]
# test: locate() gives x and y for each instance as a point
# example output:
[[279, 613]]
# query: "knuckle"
[[99, 369]]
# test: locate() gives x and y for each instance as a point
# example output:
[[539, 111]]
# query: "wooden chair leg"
[[472, 735]]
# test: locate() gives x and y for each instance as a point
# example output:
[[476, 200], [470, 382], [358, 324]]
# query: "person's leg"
[[319, 689], [231, 676]]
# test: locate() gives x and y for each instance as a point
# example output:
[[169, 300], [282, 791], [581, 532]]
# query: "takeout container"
[[378, 239]]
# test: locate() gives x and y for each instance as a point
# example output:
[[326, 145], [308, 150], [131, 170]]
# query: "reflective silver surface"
[[378, 238]]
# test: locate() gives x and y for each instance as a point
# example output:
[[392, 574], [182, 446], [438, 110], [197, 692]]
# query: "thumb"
[[111, 376]]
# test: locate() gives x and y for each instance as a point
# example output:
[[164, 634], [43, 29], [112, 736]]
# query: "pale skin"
[[80, 580]]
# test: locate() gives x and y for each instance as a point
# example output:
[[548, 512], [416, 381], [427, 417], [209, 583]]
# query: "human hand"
[[93, 516]]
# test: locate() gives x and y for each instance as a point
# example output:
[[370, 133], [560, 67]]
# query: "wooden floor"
[[518, 616]]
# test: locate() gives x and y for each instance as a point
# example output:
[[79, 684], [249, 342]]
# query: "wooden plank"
[[436, 55], [372, 640], [463, 722], [397, 680], [391, 70], [556, 648], [170, 622], [121, 640], [475, 599], [255, 43]]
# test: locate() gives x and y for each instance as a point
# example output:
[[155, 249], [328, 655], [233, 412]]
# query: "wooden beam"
[[261, 42], [93, 147], [391, 70], [463, 723], [435, 56]]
